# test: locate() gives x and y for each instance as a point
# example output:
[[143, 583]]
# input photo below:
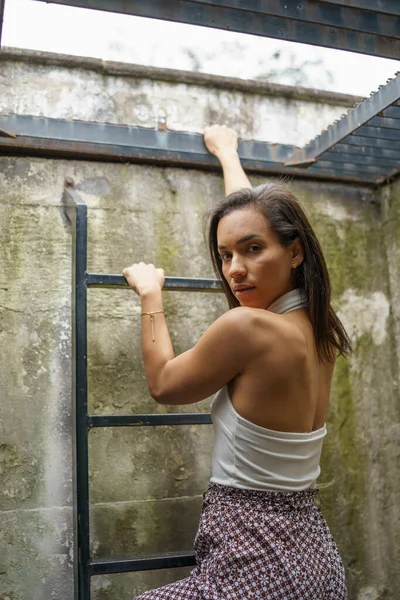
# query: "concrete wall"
[[146, 483]]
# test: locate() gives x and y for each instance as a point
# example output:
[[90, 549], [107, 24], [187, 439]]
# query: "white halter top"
[[248, 456]]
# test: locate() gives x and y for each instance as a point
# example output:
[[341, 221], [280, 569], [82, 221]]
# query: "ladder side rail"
[[76, 211]]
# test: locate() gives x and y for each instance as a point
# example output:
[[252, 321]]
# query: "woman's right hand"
[[220, 140]]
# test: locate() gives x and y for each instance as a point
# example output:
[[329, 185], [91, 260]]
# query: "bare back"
[[287, 387]]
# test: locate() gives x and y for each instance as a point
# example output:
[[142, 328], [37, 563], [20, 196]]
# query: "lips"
[[241, 289]]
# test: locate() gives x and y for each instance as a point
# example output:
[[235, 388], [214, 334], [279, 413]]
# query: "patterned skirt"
[[260, 545]]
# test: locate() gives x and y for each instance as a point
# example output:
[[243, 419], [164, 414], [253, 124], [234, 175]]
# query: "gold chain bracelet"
[[152, 313]]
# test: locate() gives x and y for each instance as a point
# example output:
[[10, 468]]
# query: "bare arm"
[[222, 143], [224, 351]]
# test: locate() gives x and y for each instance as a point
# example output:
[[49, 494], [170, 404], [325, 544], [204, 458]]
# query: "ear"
[[297, 252]]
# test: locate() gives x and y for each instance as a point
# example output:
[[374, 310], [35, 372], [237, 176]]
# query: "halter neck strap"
[[291, 301]]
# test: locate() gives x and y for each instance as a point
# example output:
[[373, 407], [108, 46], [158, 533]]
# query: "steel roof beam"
[[2, 5], [355, 174], [310, 21], [317, 12], [365, 151], [391, 7], [56, 149], [102, 141], [354, 120], [384, 122], [126, 140], [392, 111], [361, 177], [361, 159], [378, 132], [360, 142], [349, 168]]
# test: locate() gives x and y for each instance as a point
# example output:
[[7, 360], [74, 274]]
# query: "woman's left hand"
[[144, 278]]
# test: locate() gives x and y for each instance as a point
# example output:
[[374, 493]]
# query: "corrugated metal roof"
[[364, 142]]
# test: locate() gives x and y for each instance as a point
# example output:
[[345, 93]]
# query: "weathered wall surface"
[[146, 483]]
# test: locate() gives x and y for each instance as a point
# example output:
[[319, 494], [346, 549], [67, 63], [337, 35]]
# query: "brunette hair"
[[288, 220]]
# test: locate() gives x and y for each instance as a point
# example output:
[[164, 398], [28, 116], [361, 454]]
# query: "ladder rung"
[[178, 284], [145, 563], [146, 420]]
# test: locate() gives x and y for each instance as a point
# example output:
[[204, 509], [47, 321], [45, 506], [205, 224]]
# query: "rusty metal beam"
[[390, 7], [100, 141], [120, 141], [365, 151], [8, 134], [354, 122], [2, 5], [317, 12], [315, 22], [360, 142]]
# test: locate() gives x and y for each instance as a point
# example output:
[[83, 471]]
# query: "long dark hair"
[[288, 220]]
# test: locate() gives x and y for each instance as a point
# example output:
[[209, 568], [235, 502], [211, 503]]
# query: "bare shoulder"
[[240, 315], [256, 326], [245, 316]]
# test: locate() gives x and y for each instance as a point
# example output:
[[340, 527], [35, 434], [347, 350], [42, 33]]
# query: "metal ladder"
[[76, 211]]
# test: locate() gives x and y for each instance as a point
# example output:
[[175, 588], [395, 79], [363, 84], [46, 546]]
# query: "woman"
[[270, 362]]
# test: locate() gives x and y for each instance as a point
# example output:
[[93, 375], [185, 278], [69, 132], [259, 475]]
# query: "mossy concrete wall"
[[147, 483]]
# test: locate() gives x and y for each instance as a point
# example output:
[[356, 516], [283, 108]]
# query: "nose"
[[237, 268]]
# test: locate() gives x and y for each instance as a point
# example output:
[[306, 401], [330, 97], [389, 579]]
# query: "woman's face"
[[255, 264]]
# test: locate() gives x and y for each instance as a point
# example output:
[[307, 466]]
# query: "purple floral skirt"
[[260, 545]]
